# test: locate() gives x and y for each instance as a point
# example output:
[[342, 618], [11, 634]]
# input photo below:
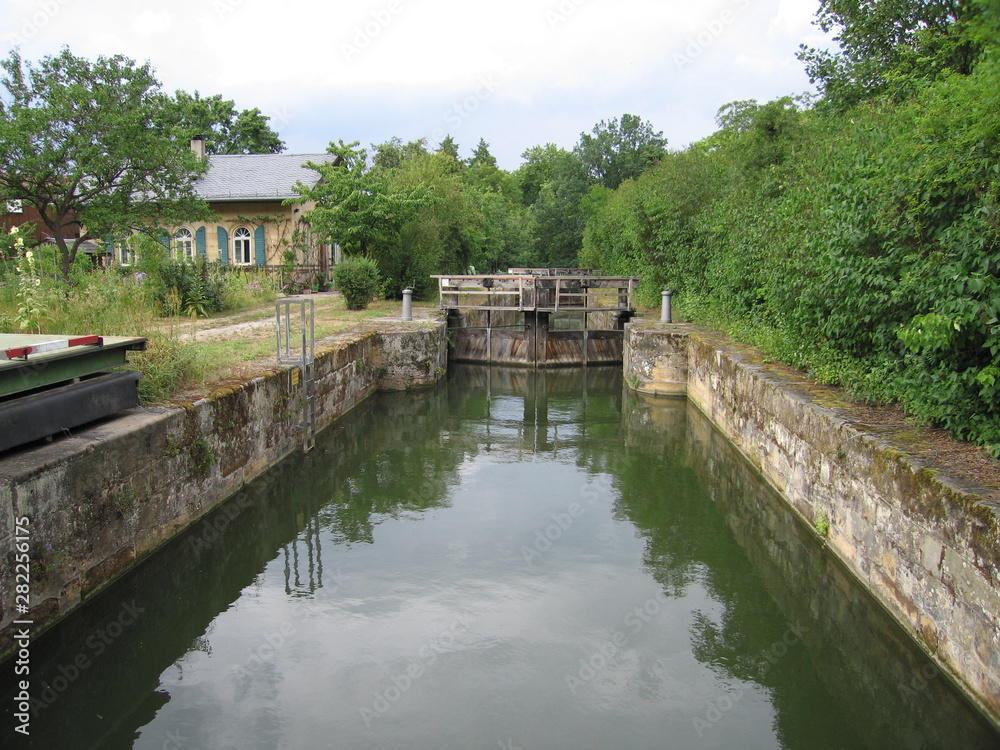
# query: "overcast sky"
[[518, 73]]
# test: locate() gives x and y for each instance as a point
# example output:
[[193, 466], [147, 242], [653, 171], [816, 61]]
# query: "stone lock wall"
[[926, 545], [102, 500]]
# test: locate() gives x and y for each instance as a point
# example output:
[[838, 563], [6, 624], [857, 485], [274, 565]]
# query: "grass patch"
[[187, 355], [222, 353]]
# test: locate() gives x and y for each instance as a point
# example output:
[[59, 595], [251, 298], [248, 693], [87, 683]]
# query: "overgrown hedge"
[[864, 247]]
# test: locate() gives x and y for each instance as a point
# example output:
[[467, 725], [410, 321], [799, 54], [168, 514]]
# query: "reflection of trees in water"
[[392, 483], [403, 453], [404, 456], [389, 462], [743, 637], [781, 622], [789, 620]]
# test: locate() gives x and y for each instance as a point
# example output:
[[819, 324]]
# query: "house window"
[[242, 247], [15, 206], [184, 244], [125, 255]]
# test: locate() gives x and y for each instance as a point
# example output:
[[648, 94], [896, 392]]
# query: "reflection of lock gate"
[[537, 317], [50, 384]]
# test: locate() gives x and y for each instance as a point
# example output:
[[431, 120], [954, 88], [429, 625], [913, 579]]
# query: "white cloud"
[[147, 24], [793, 19], [324, 68]]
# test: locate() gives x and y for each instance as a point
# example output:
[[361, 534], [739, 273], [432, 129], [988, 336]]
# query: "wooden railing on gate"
[[537, 293]]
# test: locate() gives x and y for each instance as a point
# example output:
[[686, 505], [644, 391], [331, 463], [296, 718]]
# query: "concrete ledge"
[[925, 544], [102, 500]]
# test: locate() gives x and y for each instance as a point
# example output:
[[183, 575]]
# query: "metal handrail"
[[303, 356]]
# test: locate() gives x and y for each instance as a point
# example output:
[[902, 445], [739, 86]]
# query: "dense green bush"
[[358, 279], [864, 248]]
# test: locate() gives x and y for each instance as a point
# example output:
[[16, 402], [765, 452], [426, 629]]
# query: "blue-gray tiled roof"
[[241, 177]]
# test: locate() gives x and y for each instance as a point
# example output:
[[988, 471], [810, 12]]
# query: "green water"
[[513, 560]]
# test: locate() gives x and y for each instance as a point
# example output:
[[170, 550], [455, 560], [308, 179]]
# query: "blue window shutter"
[[223, 247], [199, 241], [258, 246], [165, 238]]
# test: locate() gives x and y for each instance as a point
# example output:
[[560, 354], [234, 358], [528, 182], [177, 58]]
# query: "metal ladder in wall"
[[296, 339]]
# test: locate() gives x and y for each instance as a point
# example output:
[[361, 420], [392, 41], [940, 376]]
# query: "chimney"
[[198, 146]]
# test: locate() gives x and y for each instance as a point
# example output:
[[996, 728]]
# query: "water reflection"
[[297, 581], [525, 557], [871, 685]]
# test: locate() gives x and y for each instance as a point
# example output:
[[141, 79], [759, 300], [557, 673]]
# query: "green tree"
[[888, 45], [393, 154], [358, 207], [760, 138], [507, 235], [620, 150], [558, 215], [444, 234], [481, 156], [536, 169], [78, 142], [216, 120], [653, 227], [484, 174], [450, 147]]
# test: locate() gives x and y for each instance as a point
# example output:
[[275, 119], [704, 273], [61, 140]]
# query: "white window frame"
[[184, 244], [242, 237], [15, 206]]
